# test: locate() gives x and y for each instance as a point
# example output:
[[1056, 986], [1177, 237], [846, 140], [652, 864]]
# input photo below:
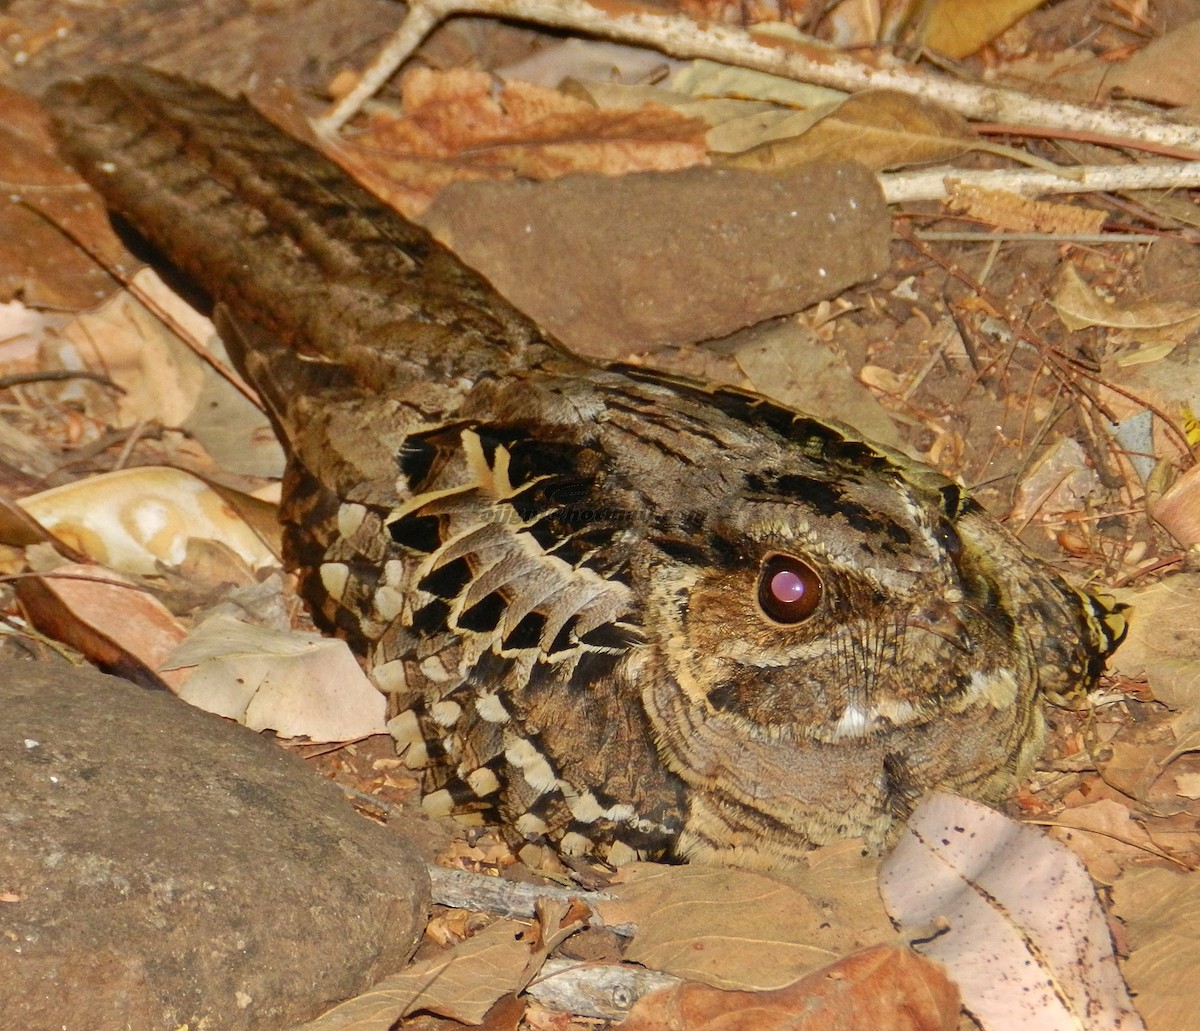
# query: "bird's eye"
[[950, 541], [789, 589]]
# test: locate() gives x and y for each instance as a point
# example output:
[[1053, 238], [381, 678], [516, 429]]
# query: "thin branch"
[[932, 184], [56, 375]]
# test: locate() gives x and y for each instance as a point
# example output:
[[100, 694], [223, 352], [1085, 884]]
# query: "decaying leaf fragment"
[[1019, 214], [1027, 942]]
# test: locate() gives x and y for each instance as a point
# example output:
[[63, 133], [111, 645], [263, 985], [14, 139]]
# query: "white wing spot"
[[334, 577]]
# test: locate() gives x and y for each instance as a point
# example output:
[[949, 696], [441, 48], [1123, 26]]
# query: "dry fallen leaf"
[[885, 988], [298, 685], [957, 28], [1164, 70], [1026, 940], [1178, 510], [38, 261], [880, 129], [1163, 643], [728, 928], [703, 78], [455, 126], [1105, 836], [463, 983], [1161, 911], [113, 622], [787, 361], [159, 376], [1159, 326], [134, 519]]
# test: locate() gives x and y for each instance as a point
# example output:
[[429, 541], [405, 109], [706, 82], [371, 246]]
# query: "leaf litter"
[[983, 406]]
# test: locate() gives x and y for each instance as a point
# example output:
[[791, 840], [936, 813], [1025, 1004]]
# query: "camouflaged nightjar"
[[617, 611]]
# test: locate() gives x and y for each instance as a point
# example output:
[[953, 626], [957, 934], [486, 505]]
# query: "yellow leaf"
[[957, 28]]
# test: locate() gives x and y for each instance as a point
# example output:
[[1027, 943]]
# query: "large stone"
[[618, 264], [161, 868]]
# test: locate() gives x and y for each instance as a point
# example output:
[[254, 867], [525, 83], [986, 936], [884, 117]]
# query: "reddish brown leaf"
[[37, 260], [885, 988], [455, 128], [117, 625]]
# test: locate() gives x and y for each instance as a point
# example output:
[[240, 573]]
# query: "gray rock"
[[162, 867]]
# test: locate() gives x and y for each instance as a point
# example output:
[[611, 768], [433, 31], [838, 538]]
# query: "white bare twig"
[[931, 184]]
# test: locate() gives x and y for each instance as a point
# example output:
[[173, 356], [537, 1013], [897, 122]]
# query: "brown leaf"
[[159, 376], [727, 928], [134, 519], [1178, 510], [1164, 640], [37, 260], [880, 129], [1161, 909], [1105, 836], [117, 625], [296, 684], [455, 128], [789, 362], [464, 983], [1159, 326], [1164, 70], [885, 988]]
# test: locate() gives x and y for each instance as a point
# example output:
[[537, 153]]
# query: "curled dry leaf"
[[117, 625], [298, 685], [1027, 942], [885, 988], [134, 519], [1158, 326], [463, 984]]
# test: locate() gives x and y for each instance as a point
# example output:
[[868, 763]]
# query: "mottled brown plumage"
[[615, 610]]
